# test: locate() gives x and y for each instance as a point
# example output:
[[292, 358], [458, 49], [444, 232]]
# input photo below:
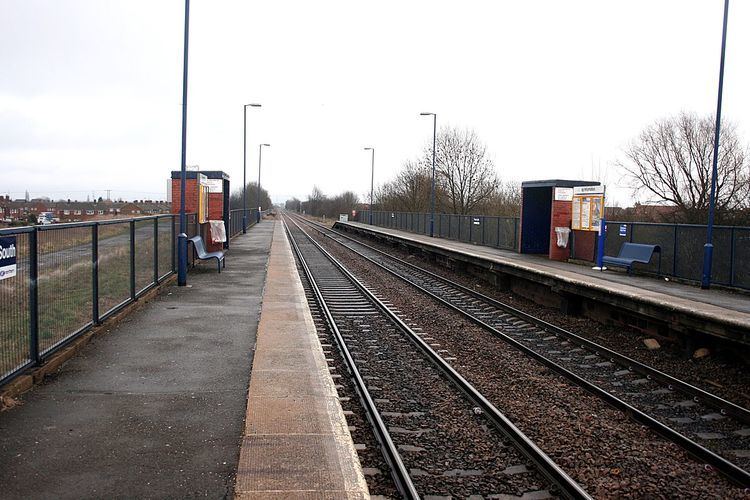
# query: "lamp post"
[[244, 166], [708, 248], [260, 157], [372, 180], [432, 189], [182, 237]]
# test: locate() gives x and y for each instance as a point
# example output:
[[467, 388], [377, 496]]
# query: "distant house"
[[14, 211]]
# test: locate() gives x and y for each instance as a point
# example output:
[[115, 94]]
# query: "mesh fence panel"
[[617, 234], [690, 240], [165, 246], [465, 223], [491, 225], [721, 268], [65, 283], [114, 265], [14, 310], [476, 230], [654, 234], [144, 254], [508, 232], [454, 228], [444, 226], [741, 258]]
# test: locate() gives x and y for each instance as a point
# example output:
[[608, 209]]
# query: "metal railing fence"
[[70, 277], [682, 250], [235, 220], [489, 230]]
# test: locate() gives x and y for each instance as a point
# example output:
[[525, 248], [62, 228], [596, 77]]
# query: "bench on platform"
[[200, 250], [631, 253]]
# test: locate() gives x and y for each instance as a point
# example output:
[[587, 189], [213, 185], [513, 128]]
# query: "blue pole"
[[708, 248], [600, 244], [182, 238]]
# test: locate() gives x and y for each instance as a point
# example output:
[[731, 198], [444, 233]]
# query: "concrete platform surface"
[[153, 408], [296, 442], [714, 305]]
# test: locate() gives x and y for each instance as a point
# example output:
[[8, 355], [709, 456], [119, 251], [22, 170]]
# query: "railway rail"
[[712, 429], [438, 434]]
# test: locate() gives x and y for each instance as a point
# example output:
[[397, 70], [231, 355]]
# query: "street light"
[[260, 156], [708, 248], [244, 165], [432, 189], [372, 180], [182, 237]]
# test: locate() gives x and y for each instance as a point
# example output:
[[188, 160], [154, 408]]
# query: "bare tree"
[[672, 161], [464, 170], [315, 202], [292, 204], [409, 191], [235, 200]]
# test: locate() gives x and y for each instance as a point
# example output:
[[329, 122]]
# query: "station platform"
[[296, 442], [682, 307], [156, 407]]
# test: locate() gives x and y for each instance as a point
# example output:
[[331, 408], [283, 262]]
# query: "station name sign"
[[7, 257]]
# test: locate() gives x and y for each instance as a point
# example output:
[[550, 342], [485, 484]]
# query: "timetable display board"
[[588, 207]]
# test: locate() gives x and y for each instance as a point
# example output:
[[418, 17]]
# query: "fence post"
[[156, 250], [516, 223], [482, 221], [33, 297], [471, 227], [95, 274], [674, 252], [132, 259], [498, 231]]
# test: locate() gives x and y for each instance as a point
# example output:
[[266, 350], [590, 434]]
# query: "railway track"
[[714, 430], [438, 434]]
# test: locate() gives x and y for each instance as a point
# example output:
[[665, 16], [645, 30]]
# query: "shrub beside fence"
[[495, 231]]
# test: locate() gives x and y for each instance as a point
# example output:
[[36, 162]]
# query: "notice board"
[[588, 207]]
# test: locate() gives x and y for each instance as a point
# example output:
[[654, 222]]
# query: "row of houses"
[[15, 211]]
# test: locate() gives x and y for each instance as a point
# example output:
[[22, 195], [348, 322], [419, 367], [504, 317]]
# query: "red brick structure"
[[546, 205], [218, 201]]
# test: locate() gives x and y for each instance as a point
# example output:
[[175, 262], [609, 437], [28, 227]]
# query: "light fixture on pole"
[[432, 189], [260, 157], [708, 248], [372, 181], [182, 237], [244, 165]]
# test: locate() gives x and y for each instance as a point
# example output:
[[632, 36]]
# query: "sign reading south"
[[7, 257]]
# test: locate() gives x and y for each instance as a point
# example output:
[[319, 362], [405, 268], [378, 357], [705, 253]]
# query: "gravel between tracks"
[[448, 447], [597, 445], [727, 378]]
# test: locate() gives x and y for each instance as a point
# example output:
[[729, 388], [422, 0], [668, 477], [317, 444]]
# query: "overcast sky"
[[90, 91]]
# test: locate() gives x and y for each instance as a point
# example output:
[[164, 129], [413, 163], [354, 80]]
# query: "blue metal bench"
[[200, 250], [631, 253]]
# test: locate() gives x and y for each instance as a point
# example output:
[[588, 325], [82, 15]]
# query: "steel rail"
[[726, 407], [729, 469], [525, 445], [399, 473]]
